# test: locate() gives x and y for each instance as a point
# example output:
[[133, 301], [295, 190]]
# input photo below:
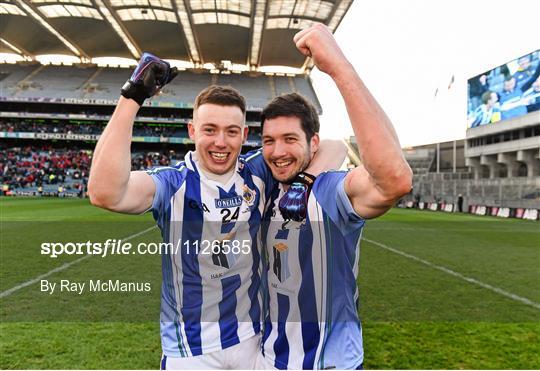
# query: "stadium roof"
[[252, 33]]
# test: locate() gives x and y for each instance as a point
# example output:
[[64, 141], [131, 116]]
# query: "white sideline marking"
[[458, 275], [10, 291]]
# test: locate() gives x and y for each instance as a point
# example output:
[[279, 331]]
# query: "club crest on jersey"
[[223, 203], [248, 195]]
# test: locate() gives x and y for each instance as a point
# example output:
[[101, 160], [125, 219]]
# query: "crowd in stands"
[[65, 128], [147, 160], [160, 131], [500, 94], [22, 167], [63, 169]]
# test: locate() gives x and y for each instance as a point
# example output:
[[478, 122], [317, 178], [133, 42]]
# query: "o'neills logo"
[[223, 203]]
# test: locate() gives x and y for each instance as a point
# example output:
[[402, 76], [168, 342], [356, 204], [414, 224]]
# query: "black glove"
[[150, 75], [293, 205]]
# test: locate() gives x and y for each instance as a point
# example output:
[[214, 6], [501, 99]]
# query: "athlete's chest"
[[291, 247], [215, 226], [209, 201]]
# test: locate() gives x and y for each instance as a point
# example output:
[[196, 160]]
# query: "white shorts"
[[262, 363], [242, 356]]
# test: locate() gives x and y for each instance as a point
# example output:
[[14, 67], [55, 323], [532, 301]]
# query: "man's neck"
[[220, 178]]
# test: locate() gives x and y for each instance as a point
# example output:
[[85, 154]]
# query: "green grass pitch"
[[437, 290]]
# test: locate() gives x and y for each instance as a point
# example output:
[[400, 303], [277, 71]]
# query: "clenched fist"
[[318, 43], [150, 75]]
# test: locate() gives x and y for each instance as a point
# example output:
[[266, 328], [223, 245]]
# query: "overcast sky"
[[405, 50]]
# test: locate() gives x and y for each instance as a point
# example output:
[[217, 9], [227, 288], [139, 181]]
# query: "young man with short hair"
[[311, 316], [210, 302]]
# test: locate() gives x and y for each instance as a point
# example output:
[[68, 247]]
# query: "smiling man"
[[209, 207], [205, 205], [286, 117], [218, 147], [311, 317]]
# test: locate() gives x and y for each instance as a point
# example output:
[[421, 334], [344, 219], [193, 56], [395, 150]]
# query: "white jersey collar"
[[192, 162]]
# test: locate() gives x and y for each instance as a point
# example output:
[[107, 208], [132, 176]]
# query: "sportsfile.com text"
[[118, 247]]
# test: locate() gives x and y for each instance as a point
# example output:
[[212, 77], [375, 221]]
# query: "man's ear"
[[314, 143], [246, 131], [191, 130]]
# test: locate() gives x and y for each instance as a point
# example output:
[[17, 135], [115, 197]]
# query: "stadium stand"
[[447, 171], [441, 174], [186, 86], [34, 170], [42, 171], [11, 75], [103, 83], [284, 84], [68, 82], [140, 129], [256, 89], [495, 170], [420, 160], [302, 85], [70, 106], [146, 160], [442, 171]]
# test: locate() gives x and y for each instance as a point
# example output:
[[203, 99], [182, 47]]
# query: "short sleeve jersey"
[[210, 297], [311, 317]]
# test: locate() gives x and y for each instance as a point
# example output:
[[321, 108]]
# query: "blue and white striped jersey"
[[210, 297], [311, 309]]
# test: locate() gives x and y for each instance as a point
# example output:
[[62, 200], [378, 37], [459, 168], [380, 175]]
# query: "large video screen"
[[505, 92]]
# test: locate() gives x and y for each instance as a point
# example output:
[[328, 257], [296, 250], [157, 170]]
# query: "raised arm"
[[384, 175], [112, 185]]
